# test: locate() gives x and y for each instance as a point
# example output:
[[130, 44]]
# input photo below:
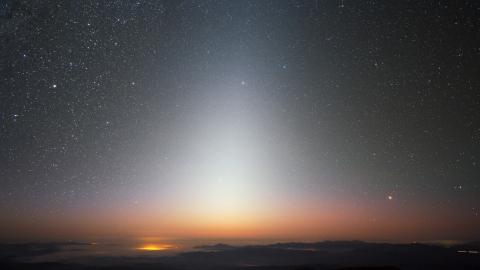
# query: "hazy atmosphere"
[[177, 123]]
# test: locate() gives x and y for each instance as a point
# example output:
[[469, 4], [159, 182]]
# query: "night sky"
[[305, 120]]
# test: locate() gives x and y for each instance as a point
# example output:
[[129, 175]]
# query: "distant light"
[[54, 86], [155, 247], [390, 197]]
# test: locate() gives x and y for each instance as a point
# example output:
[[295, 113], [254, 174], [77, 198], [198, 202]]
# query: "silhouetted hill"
[[216, 247]]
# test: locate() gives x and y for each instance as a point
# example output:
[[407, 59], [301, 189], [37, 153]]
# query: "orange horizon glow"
[[302, 221], [155, 247]]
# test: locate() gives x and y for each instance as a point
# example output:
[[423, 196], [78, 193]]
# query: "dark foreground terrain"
[[284, 256]]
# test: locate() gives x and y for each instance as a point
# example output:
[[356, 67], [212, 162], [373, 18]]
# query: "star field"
[[368, 109]]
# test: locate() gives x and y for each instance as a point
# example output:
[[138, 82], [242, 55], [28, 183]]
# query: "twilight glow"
[[257, 120]]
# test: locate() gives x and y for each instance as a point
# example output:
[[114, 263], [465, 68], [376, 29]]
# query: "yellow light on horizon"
[[155, 247]]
